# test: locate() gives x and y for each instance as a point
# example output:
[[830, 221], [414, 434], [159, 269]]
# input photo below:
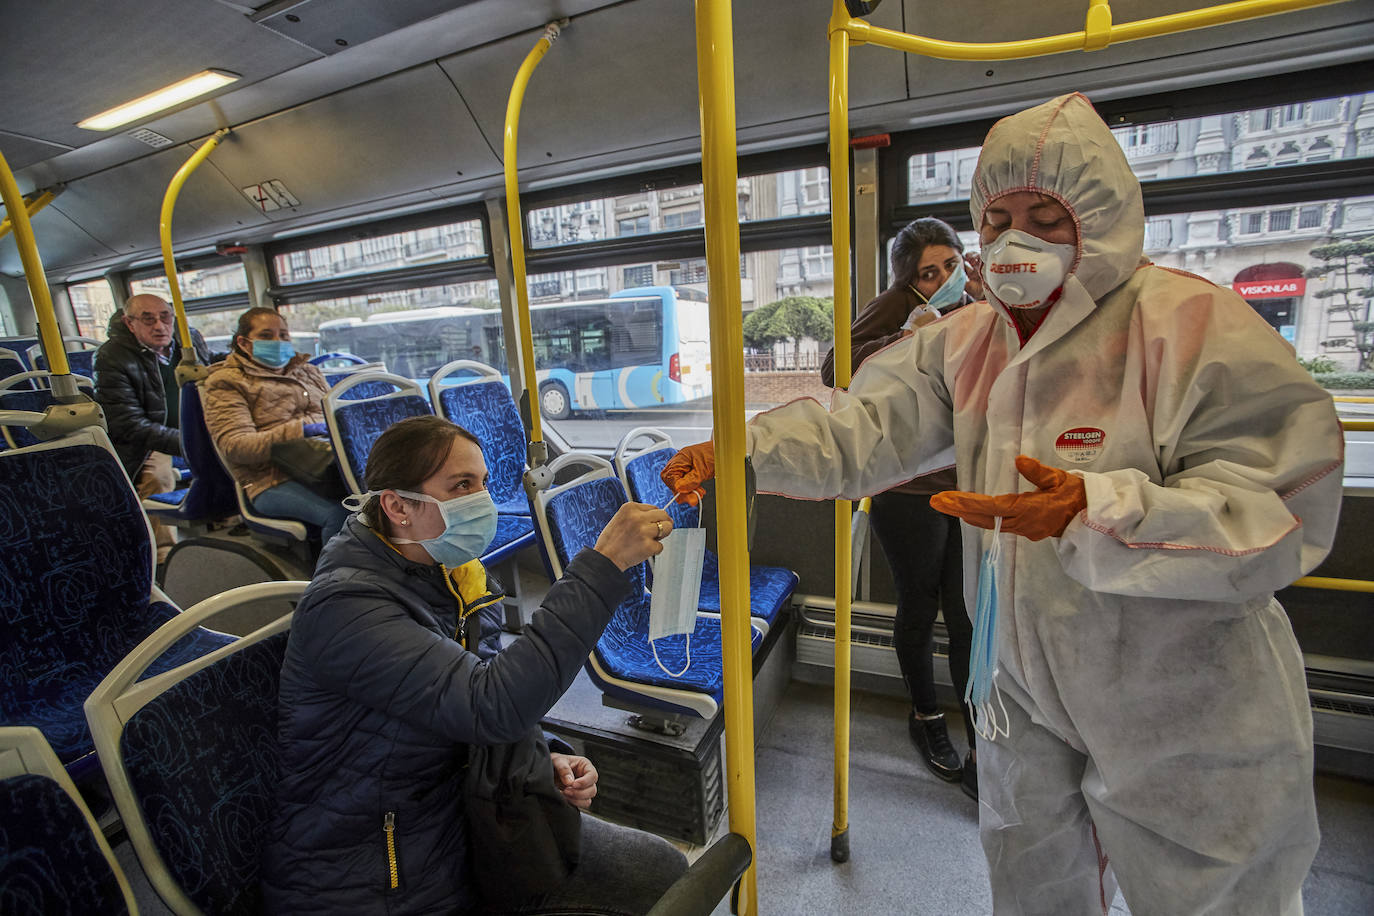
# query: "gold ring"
[[659, 526]]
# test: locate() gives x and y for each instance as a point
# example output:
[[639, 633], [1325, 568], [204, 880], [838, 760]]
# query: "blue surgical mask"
[[273, 353], [982, 675], [950, 292], [469, 526]]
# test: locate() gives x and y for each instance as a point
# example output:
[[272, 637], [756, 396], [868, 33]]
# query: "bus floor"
[[914, 839]]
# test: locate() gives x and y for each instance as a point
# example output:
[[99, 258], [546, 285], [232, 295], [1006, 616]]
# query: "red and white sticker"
[[1080, 444]]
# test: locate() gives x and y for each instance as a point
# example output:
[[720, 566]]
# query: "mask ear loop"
[[684, 667]]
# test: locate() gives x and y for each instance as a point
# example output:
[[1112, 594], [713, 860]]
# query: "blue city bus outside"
[[640, 348]]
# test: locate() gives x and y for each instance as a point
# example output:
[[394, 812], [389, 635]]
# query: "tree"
[[1350, 266], [791, 319]]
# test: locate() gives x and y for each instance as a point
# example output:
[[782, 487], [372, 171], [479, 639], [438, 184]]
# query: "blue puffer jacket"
[[378, 700]]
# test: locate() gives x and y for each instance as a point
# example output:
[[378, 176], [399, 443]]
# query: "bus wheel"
[[554, 402]]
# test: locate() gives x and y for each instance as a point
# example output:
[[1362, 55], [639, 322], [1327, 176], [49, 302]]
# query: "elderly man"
[[135, 383]]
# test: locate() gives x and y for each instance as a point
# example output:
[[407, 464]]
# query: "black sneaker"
[[932, 740], [969, 783]]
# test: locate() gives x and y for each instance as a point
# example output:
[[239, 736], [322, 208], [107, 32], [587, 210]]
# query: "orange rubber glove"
[[686, 471], [1039, 515]]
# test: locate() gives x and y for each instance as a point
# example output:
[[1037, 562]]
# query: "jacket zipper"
[[389, 827]]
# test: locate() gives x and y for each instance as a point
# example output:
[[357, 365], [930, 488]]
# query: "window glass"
[[219, 280], [768, 196], [93, 304], [412, 332], [218, 327], [1298, 273], [431, 245], [1316, 131]]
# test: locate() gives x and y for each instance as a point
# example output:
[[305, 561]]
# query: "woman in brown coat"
[[265, 392], [922, 546]]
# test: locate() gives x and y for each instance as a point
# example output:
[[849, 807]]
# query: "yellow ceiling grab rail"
[[1335, 585], [844, 30], [32, 204], [1098, 31], [189, 368], [538, 454], [72, 409]]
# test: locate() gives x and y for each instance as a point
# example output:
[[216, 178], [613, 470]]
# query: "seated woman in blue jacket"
[[380, 699]]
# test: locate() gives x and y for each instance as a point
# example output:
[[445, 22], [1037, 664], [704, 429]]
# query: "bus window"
[[93, 303]]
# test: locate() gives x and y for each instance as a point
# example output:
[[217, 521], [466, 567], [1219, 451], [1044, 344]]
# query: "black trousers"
[[925, 552]]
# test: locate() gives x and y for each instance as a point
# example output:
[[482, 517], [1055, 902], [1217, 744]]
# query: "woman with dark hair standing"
[[391, 677], [266, 392], [922, 546]]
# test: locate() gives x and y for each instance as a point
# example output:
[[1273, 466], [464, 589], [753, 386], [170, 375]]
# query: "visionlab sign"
[[1271, 289]]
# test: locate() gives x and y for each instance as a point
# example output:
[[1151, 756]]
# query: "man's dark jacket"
[[128, 385]]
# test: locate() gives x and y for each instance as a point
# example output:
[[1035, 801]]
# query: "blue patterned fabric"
[[577, 515], [203, 759], [49, 860], [769, 586], [211, 491], [74, 588], [20, 347], [360, 425], [81, 362], [358, 392], [513, 532], [11, 366], [487, 410]]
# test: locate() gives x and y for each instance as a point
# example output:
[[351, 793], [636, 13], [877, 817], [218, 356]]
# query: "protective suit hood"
[[1064, 150]]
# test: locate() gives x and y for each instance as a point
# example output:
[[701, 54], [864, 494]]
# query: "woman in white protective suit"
[[1178, 467]]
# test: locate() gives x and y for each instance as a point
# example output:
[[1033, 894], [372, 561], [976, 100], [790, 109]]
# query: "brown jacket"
[[878, 325], [248, 407]]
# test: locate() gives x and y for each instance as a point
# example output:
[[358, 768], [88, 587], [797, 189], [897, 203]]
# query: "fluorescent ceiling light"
[[183, 91]]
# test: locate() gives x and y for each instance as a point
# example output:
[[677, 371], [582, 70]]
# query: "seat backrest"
[[11, 364], [486, 409], [354, 425], [191, 756], [363, 389], [570, 516], [80, 355], [211, 494], [336, 360], [53, 857], [639, 470], [19, 346]]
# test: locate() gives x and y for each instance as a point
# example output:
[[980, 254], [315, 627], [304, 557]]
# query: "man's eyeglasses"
[[149, 320]]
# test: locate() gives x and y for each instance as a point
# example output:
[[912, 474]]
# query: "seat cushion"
[[769, 588], [625, 653], [49, 860]]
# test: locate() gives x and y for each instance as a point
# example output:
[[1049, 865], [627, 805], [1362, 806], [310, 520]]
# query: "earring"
[[405, 521]]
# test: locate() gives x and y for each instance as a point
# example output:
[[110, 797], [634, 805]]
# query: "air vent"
[[150, 137]]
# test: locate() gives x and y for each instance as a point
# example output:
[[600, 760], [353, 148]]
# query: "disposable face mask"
[[950, 292], [1023, 271], [469, 526], [982, 688], [677, 588], [273, 353]]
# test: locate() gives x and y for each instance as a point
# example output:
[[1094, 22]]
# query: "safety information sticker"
[[1080, 444]]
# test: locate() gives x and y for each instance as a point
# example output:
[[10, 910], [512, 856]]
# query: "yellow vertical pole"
[[164, 227], [48, 332], [716, 87], [839, 245], [515, 222]]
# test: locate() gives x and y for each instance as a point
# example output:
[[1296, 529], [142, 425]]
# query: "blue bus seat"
[[570, 516], [192, 758], [770, 587], [76, 589], [356, 422], [19, 347], [368, 389], [285, 531], [81, 360], [12, 365], [53, 857], [209, 494], [343, 360], [25, 397], [484, 407]]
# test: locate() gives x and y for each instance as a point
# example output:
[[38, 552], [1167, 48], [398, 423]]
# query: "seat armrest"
[[709, 879]]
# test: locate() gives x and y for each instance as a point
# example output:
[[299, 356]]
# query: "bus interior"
[[356, 185]]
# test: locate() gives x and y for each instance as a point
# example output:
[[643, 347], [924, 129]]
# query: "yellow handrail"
[[31, 206], [1343, 399], [719, 172], [1362, 426], [515, 222], [1098, 31], [48, 332], [839, 246], [169, 202], [1335, 585]]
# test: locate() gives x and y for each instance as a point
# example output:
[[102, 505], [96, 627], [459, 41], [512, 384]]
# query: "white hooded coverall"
[[1157, 699]]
